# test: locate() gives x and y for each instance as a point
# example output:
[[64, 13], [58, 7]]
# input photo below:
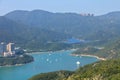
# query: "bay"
[[44, 62]]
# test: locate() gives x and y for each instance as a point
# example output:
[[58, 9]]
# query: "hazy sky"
[[80, 6]]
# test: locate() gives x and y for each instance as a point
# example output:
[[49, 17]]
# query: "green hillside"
[[104, 27], [28, 37], [43, 28], [102, 70], [58, 75], [108, 51]]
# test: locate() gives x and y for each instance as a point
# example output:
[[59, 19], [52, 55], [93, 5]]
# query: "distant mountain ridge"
[[36, 28], [89, 27]]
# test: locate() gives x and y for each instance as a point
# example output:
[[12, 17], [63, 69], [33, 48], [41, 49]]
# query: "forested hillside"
[[90, 27], [43, 30], [102, 70], [27, 37], [108, 51]]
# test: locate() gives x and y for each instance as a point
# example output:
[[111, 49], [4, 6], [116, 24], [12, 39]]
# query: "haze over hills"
[[36, 28], [69, 23], [25, 36], [77, 25]]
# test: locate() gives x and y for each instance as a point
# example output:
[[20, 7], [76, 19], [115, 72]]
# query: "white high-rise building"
[[7, 49], [10, 48]]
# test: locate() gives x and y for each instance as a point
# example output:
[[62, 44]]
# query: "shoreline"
[[100, 58], [15, 65], [12, 65], [40, 52], [16, 61], [88, 55]]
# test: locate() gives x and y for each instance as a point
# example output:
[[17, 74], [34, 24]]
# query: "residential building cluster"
[[7, 49]]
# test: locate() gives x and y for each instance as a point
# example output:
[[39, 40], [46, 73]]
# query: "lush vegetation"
[[103, 27], [39, 27], [108, 51], [102, 70], [58, 75], [27, 37], [45, 31], [40, 30], [23, 59]]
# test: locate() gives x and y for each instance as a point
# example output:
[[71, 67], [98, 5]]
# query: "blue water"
[[74, 40], [44, 62]]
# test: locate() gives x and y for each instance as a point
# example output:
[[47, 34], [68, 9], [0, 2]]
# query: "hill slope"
[[103, 27], [25, 36], [109, 51], [103, 70]]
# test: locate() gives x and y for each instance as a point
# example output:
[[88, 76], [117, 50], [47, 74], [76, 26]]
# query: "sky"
[[97, 7]]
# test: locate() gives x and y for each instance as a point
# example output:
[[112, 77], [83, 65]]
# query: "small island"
[[9, 55]]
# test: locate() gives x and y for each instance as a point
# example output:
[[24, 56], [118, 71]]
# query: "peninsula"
[[9, 55]]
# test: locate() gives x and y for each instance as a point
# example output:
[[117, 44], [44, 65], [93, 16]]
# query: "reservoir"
[[45, 62]]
